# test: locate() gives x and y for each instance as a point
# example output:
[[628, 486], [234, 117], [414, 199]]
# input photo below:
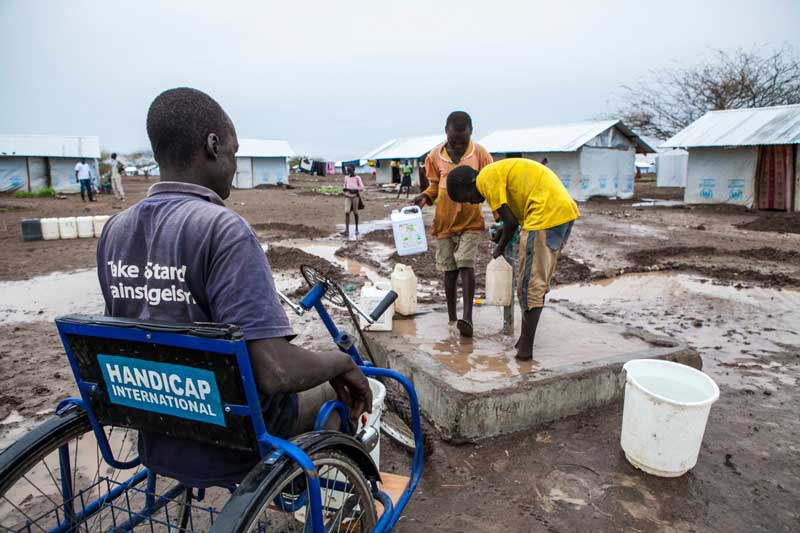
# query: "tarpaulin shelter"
[[413, 149], [671, 167], [262, 162], [34, 162], [743, 157], [595, 158]]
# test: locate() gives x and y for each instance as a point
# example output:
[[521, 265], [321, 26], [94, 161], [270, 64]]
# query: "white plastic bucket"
[[85, 227], [49, 229], [374, 418], [664, 416], [68, 227]]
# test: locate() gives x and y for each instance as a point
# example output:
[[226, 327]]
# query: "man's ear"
[[212, 145]]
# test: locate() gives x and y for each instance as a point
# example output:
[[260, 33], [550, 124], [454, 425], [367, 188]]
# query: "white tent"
[[726, 152], [262, 162], [412, 149], [671, 167], [35, 162], [591, 158]]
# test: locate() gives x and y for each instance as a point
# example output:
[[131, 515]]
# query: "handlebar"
[[385, 304], [371, 318]]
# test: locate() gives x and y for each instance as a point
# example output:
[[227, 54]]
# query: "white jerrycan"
[[409, 231], [68, 227], [404, 283], [85, 227], [498, 282], [371, 296]]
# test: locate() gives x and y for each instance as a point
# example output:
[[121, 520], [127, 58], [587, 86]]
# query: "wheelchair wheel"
[[280, 501], [55, 476]]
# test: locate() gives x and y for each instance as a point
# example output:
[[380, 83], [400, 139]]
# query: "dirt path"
[[568, 475]]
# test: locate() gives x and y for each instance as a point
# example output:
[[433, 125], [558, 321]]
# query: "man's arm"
[[240, 290], [509, 228], [282, 367]]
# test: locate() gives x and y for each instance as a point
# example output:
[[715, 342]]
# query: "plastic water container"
[[404, 283], [371, 296], [68, 227], [49, 229], [499, 275], [664, 416], [85, 227], [374, 418], [409, 231], [98, 223], [31, 229]]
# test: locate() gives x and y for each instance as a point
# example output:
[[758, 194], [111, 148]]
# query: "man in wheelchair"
[[181, 256]]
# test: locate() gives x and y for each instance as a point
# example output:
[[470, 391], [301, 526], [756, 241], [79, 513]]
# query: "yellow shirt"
[[533, 192]]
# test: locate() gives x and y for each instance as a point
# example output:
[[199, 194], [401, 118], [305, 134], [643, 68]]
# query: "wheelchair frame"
[[270, 448]]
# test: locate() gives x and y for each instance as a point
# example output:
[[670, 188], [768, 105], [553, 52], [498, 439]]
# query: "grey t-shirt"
[[181, 256]]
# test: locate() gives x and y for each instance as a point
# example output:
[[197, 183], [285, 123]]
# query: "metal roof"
[[50, 146], [407, 148], [264, 148], [741, 127], [558, 138]]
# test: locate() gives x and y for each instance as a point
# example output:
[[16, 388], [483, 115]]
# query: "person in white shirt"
[[83, 175], [116, 178]]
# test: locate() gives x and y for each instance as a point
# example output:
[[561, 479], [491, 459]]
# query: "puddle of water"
[[723, 323], [650, 202], [46, 297], [489, 355], [367, 227]]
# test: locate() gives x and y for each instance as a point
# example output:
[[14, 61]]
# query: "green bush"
[[48, 192]]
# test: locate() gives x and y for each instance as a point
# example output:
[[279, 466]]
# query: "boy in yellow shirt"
[[523, 193]]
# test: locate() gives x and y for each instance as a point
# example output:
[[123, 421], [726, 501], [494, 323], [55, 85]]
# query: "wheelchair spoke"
[[23, 513]]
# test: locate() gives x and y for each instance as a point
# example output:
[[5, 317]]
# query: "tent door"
[[775, 179]]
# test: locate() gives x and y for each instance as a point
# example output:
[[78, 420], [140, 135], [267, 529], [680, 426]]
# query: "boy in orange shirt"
[[457, 227]]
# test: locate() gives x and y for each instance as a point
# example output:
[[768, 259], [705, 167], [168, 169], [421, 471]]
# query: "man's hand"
[[496, 232], [352, 388], [497, 250], [421, 200]]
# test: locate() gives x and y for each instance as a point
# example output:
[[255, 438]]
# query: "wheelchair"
[[81, 471]]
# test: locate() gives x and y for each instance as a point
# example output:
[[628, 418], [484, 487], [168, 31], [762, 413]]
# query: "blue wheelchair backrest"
[[189, 381]]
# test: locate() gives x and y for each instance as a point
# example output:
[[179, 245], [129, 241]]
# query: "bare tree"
[[672, 98]]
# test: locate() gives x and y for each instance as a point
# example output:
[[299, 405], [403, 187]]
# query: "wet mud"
[[715, 262], [774, 222]]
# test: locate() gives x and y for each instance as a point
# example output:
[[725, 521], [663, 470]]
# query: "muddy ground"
[[569, 475]]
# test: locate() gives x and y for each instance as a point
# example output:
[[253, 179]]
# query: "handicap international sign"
[[176, 390]]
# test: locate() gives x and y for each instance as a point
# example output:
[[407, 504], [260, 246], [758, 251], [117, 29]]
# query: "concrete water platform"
[[473, 388]]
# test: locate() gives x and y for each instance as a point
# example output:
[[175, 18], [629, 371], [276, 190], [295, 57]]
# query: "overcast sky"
[[337, 79]]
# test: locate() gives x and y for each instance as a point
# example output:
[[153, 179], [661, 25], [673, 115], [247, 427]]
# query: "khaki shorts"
[[457, 251], [351, 204], [536, 263]]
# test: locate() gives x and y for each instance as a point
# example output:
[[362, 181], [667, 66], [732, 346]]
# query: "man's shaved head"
[[179, 122]]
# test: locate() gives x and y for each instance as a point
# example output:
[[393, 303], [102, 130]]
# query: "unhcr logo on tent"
[[707, 186]]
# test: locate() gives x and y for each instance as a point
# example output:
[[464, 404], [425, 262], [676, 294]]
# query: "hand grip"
[[385, 304]]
